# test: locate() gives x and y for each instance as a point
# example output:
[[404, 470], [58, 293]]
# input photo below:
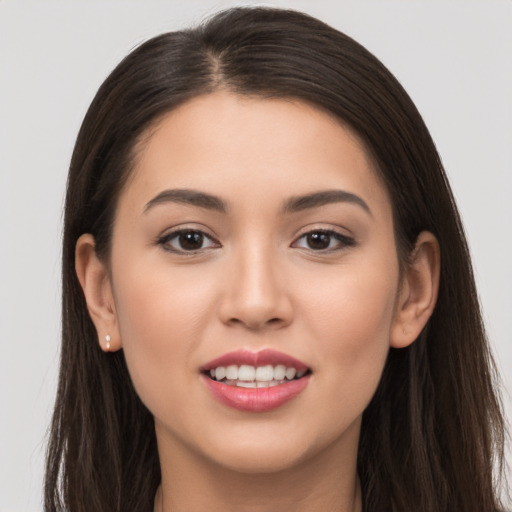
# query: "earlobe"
[[418, 294], [94, 278]]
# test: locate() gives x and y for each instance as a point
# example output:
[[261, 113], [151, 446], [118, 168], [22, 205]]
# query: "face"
[[255, 231]]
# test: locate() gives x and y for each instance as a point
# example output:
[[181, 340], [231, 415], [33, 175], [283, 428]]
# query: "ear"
[[95, 281], [418, 293]]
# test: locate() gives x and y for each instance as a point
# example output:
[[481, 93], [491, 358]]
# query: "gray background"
[[454, 58]]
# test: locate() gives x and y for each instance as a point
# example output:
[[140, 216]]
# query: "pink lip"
[[261, 358], [255, 399]]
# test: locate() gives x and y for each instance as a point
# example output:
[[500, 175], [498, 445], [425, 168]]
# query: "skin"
[[257, 283]]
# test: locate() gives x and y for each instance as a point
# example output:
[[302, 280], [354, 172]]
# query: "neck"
[[326, 482]]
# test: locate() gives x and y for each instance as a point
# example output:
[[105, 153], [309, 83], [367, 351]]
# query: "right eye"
[[187, 241], [324, 241]]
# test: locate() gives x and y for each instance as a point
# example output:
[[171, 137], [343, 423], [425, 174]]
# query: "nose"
[[255, 294]]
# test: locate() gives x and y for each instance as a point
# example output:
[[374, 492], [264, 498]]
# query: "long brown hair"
[[434, 431]]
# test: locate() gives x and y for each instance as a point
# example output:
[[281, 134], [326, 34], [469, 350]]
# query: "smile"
[[255, 377], [255, 381]]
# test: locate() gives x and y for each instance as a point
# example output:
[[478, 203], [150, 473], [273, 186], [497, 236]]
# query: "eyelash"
[[344, 241], [164, 241]]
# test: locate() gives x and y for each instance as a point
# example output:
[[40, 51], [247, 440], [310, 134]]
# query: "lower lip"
[[256, 399]]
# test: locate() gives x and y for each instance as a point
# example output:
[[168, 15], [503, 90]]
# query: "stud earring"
[[107, 339]]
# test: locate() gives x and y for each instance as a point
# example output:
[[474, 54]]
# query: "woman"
[[257, 216]]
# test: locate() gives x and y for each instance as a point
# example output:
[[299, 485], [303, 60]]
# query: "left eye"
[[323, 240], [187, 240]]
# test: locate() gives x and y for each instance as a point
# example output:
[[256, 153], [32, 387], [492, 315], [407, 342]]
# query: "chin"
[[260, 459], [273, 450]]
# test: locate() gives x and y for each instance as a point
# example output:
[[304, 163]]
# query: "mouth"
[[247, 376], [255, 381]]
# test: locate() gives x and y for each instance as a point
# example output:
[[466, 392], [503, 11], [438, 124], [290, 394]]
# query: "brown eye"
[[323, 240], [318, 240], [187, 240], [190, 240]]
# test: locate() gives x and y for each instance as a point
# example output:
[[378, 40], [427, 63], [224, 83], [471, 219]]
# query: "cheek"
[[351, 318], [161, 316]]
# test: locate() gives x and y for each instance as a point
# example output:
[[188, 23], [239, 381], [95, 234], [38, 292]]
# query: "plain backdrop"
[[453, 57]]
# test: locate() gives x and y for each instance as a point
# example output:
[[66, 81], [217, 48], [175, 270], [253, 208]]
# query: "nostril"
[[257, 302], [255, 324]]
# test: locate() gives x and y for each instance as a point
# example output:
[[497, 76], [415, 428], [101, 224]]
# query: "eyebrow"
[[190, 197], [292, 205], [300, 203]]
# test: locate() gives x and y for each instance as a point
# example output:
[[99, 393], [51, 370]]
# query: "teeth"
[[250, 377], [265, 373], [232, 372], [242, 384], [290, 373], [279, 372], [254, 384], [246, 372], [220, 372]]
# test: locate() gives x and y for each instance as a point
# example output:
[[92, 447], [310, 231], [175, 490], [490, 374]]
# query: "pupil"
[[191, 240], [319, 240]]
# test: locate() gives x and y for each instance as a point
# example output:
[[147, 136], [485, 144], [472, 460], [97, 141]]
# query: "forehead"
[[246, 147]]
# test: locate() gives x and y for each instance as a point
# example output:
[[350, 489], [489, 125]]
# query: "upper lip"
[[260, 358]]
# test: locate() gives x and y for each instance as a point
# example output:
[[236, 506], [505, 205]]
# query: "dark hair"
[[434, 429]]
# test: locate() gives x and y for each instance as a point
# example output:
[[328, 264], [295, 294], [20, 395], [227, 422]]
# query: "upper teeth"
[[248, 373]]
